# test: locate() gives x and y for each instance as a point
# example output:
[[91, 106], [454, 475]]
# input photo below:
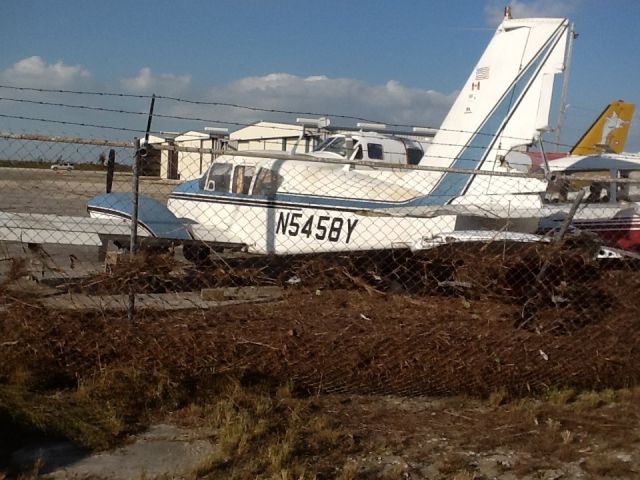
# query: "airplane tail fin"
[[506, 100], [608, 134]]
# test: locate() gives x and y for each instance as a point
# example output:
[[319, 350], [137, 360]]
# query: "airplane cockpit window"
[[219, 178], [334, 145], [242, 178], [267, 182], [375, 151], [414, 155], [414, 151], [323, 144]]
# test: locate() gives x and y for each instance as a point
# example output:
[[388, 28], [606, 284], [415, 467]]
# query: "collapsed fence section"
[[331, 273]]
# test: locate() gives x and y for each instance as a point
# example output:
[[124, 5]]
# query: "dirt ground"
[[490, 366]]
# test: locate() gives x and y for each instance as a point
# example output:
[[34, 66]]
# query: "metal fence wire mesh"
[[343, 275]]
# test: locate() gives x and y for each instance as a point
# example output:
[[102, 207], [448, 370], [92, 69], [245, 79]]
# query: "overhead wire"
[[224, 104]]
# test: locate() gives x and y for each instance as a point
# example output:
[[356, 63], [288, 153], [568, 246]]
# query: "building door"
[[172, 170]]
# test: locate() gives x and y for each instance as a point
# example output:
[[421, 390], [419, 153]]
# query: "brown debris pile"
[[455, 320]]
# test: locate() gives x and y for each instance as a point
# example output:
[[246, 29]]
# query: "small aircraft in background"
[[607, 134]]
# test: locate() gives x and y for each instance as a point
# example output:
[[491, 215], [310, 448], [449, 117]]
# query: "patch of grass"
[[561, 396], [465, 475], [528, 465], [349, 470], [453, 463], [603, 465], [65, 414], [594, 400], [32, 474], [498, 397], [262, 435]]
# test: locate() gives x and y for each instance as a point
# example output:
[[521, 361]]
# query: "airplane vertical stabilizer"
[[504, 104], [608, 134], [506, 99]]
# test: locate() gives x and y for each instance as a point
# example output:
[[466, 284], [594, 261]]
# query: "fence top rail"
[[306, 158], [395, 166], [65, 139]]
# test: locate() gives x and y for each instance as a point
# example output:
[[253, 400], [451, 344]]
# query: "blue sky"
[[395, 61]]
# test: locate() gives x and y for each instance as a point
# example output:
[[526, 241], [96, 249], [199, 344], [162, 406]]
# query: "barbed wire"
[[65, 139], [129, 112], [160, 133], [238, 106], [184, 100], [77, 124]]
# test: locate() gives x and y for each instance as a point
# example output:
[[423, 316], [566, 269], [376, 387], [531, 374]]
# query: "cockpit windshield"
[[333, 145], [219, 177]]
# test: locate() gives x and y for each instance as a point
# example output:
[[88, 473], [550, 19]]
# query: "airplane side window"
[[414, 155], [267, 182], [219, 178], [375, 151], [242, 179]]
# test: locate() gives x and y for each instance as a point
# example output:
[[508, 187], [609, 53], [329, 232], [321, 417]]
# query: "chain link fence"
[[344, 271]]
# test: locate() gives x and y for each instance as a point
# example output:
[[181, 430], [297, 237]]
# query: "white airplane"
[[266, 202], [275, 205]]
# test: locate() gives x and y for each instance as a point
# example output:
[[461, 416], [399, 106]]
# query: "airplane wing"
[[54, 229], [488, 236], [75, 230], [495, 210], [498, 211], [463, 236]]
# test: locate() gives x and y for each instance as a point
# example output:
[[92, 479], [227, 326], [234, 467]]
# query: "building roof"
[[266, 130]]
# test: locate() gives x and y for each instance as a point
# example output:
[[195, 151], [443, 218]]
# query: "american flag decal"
[[482, 73]]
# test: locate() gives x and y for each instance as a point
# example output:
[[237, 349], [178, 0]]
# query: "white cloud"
[[530, 9], [35, 72], [391, 102], [147, 82]]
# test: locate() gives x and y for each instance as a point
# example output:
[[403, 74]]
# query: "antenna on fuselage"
[[425, 130], [315, 123], [217, 130], [375, 127]]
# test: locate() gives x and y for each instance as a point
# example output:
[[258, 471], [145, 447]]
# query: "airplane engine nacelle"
[[144, 150]]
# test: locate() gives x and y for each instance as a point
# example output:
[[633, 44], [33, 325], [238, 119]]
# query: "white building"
[[275, 136], [272, 136], [186, 165]]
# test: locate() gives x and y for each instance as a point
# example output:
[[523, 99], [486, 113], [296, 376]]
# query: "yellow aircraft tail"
[[608, 134]]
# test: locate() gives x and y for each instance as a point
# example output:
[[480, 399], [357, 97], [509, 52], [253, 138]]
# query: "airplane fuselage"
[[285, 224]]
